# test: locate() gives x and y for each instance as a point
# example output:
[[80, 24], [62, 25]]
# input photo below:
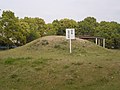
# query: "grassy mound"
[[56, 45], [46, 64]]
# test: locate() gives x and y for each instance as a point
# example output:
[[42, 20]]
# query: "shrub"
[[44, 42], [57, 46]]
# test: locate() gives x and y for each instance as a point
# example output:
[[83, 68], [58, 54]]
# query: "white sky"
[[49, 10]]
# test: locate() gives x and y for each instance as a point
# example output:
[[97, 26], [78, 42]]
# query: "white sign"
[[70, 33]]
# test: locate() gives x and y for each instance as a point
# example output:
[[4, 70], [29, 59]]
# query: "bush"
[[57, 46], [45, 42]]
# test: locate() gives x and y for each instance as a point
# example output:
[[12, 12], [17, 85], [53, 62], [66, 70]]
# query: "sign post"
[[70, 34]]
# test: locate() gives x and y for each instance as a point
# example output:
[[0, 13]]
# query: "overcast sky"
[[49, 10]]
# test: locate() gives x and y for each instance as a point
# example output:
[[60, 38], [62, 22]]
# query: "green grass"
[[46, 64]]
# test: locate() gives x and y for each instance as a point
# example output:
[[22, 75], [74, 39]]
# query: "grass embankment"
[[45, 64]]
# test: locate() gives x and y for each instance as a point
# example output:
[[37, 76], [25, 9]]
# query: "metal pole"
[[70, 46]]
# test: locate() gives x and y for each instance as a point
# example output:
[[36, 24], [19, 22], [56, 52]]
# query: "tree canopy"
[[15, 31]]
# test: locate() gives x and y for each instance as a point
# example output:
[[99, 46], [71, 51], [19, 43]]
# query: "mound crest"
[[61, 44]]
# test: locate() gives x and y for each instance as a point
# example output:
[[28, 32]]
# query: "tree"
[[8, 25], [87, 27], [50, 29], [35, 27], [63, 24], [11, 29], [110, 31], [56, 25], [40, 26], [15, 31], [2, 39]]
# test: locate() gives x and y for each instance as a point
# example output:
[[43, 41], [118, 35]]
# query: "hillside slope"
[[46, 64], [58, 44]]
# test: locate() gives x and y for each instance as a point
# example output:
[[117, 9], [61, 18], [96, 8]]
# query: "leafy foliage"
[[87, 27], [15, 31], [110, 31]]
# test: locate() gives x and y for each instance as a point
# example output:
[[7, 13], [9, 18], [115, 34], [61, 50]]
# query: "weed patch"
[[44, 42], [11, 60], [70, 80], [57, 46], [103, 80], [13, 76], [41, 61], [38, 68], [60, 46], [77, 63], [66, 66], [64, 42], [98, 66]]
